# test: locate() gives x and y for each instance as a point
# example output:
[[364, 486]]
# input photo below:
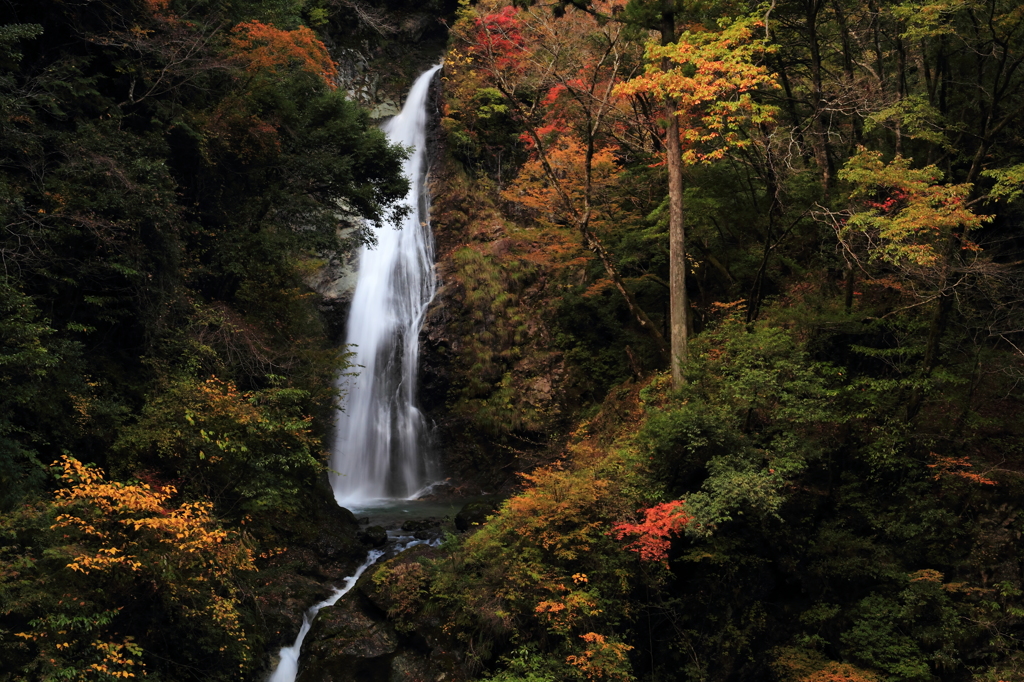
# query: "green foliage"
[[496, 340], [905, 214], [746, 418], [247, 451], [25, 362], [525, 664]]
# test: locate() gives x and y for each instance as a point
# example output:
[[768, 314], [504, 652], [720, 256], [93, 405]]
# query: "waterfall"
[[379, 445]]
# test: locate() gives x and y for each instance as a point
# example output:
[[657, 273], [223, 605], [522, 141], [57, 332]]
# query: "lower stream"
[[288, 664]]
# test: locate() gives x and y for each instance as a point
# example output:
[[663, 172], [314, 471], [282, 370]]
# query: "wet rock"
[[386, 110], [347, 644], [474, 513], [415, 525], [374, 536], [335, 539], [283, 597], [407, 666]]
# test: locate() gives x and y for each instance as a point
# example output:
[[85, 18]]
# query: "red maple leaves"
[[652, 536], [499, 40]]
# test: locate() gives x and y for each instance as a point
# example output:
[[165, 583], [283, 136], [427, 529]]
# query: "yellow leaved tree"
[[131, 550]]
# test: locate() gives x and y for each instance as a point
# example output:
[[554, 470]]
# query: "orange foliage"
[[602, 660], [841, 672], [554, 512], [264, 47], [158, 7], [535, 189], [957, 467], [132, 528]]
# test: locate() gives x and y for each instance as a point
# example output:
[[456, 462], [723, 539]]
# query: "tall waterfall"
[[378, 450]]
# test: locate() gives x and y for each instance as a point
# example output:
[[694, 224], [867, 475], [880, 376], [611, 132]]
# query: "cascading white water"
[[380, 435]]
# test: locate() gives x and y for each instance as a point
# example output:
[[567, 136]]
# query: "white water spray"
[[380, 437]]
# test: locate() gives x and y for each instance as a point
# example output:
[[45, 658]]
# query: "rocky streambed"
[[368, 634]]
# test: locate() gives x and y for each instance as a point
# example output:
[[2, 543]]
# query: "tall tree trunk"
[[819, 123], [679, 305]]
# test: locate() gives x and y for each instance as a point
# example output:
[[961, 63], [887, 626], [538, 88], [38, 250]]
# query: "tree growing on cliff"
[[576, 61]]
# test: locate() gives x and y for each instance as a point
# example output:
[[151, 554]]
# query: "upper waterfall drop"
[[379, 444]]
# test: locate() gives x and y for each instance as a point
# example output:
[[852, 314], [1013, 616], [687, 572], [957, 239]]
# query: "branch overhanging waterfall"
[[379, 449]]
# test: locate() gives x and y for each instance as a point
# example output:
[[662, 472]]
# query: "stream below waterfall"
[[380, 462]]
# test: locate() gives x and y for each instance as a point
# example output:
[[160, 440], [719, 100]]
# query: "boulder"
[[415, 525], [374, 536], [347, 644], [474, 513]]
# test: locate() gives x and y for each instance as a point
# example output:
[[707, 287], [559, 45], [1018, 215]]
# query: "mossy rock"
[[374, 536], [474, 513], [347, 644]]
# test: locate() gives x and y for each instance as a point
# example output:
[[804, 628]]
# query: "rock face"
[[493, 379], [346, 644]]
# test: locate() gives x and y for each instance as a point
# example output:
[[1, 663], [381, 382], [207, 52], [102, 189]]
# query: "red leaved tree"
[[652, 537], [577, 61]]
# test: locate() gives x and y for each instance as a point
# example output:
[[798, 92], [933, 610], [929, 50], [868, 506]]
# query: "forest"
[[729, 329]]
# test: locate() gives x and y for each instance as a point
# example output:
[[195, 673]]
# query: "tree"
[[140, 572], [706, 79], [576, 61], [908, 220], [718, 96]]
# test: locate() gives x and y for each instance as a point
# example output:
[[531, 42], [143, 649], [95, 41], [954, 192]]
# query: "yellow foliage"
[[135, 531]]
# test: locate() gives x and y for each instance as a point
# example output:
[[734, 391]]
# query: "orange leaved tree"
[[264, 48], [575, 61], [707, 80], [135, 561]]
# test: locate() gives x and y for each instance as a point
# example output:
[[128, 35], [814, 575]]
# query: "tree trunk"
[[679, 305], [678, 301]]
